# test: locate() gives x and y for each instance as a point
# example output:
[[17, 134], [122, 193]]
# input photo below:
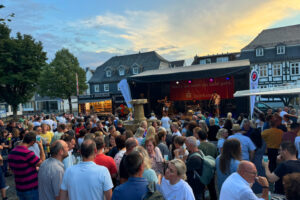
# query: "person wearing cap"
[[248, 147]]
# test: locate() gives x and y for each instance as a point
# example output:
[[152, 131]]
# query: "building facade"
[[105, 96], [275, 54], [216, 58]]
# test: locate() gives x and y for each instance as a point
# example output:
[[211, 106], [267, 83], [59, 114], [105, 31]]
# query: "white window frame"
[[108, 73], [275, 68], [263, 71], [96, 88], [294, 65], [106, 87], [280, 49], [259, 51], [135, 70], [118, 87], [121, 71]]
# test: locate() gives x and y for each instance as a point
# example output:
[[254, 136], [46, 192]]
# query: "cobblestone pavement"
[[11, 192]]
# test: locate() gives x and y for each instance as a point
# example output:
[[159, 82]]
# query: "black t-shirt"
[[283, 169], [194, 162], [212, 132], [122, 169]]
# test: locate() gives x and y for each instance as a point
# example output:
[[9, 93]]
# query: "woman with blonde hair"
[[150, 134], [148, 173], [173, 186], [139, 135], [222, 134]]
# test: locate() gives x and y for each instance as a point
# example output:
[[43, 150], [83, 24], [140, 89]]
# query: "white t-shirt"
[[179, 191], [297, 144], [176, 133], [236, 188], [165, 122], [86, 180]]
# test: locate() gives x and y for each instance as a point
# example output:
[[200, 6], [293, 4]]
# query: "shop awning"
[[273, 91], [194, 72]]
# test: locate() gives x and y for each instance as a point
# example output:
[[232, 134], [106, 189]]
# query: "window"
[[277, 70], [96, 88], [108, 73], [27, 105], [294, 67], [106, 87], [118, 87], [135, 70], [281, 49], [121, 71], [205, 61], [263, 71], [259, 52], [222, 59]]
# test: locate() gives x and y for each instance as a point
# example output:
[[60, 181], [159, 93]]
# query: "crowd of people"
[[179, 157]]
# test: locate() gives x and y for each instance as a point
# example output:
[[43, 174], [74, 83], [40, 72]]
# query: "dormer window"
[[121, 71], [281, 49], [108, 73], [259, 52], [135, 70]]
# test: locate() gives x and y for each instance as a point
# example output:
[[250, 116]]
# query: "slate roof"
[[145, 61], [288, 35], [177, 63]]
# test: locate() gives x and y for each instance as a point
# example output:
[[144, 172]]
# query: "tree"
[[6, 18], [21, 61], [58, 79]]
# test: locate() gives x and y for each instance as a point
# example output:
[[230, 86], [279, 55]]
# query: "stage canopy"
[[223, 69]]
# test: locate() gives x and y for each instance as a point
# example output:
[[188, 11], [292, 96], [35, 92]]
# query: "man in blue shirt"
[[136, 186], [248, 147]]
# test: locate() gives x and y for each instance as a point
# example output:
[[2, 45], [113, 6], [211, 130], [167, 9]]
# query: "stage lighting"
[[177, 82], [189, 81], [211, 80], [227, 78]]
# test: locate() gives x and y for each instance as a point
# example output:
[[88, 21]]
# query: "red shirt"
[[106, 161]]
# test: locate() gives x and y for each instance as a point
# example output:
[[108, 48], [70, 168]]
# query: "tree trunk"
[[15, 111], [70, 104]]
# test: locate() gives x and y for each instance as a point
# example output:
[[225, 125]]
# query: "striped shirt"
[[23, 163]]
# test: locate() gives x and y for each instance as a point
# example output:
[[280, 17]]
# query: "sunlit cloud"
[[195, 27]]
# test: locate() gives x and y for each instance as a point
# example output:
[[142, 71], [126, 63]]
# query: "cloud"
[[193, 27]]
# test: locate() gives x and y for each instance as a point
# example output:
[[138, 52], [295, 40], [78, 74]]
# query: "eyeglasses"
[[253, 173]]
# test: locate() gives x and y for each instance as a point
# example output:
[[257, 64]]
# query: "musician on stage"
[[166, 104], [215, 99]]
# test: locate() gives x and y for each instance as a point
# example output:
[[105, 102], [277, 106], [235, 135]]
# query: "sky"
[[96, 30]]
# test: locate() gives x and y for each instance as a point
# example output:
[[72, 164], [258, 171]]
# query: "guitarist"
[[215, 99]]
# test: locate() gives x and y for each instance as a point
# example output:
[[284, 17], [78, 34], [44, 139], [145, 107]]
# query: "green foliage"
[[21, 61], [58, 79], [6, 18]]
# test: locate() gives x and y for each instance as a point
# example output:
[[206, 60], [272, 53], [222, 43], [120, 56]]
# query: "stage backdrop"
[[202, 89]]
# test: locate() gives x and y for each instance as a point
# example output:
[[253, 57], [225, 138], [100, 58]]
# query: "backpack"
[[208, 169], [152, 193]]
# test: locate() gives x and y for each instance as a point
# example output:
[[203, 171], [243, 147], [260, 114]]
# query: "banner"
[[202, 89], [254, 76], [125, 90]]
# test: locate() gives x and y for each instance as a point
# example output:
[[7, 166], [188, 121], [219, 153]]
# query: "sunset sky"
[[95, 30]]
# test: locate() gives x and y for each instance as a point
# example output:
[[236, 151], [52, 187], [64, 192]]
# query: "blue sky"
[[95, 30]]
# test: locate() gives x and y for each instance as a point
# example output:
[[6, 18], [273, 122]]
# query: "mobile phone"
[[265, 158], [38, 138]]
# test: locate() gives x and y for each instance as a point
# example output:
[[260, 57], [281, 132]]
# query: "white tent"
[[274, 91]]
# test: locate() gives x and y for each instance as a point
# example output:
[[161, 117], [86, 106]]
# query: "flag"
[[254, 76], [125, 90]]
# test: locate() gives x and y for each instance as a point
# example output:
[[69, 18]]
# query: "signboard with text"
[[201, 89]]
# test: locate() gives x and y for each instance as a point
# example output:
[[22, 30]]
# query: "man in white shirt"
[[238, 185], [86, 180]]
